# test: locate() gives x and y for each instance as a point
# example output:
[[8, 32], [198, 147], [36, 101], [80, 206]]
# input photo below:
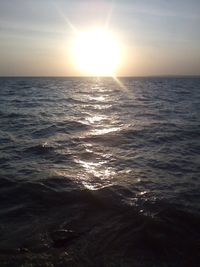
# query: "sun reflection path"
[[95, 175], [95, 118], [96, 170], [105, 130]]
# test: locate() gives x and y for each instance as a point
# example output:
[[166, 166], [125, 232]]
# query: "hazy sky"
[[158, 37]]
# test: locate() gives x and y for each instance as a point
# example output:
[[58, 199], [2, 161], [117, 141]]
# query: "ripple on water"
[[105, 159]]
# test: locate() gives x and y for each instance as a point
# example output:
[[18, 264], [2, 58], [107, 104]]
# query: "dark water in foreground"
[[104, 173]]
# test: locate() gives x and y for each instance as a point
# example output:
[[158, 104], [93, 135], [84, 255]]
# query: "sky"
[[156, 37]]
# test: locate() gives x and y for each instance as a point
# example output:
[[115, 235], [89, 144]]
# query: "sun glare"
[[96, 52]]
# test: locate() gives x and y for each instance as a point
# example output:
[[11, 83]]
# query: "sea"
[[100, 171]]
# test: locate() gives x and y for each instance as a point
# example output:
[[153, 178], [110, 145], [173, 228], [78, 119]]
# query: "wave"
[[60, 127], [138, 151], [40, 149]]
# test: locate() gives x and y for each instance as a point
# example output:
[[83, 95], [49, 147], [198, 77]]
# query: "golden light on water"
[[96, 52]]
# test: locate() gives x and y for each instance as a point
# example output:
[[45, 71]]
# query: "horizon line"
[[81, 76]]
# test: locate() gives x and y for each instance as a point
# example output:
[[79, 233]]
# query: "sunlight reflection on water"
[[96, 172], [96, 168], [82, 132], [105, 130], [98, 98], [96, 118]]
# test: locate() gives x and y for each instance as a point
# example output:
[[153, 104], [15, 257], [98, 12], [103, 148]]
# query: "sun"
[[96, 52]]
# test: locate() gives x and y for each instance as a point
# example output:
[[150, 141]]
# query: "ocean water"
[[105, 170]]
